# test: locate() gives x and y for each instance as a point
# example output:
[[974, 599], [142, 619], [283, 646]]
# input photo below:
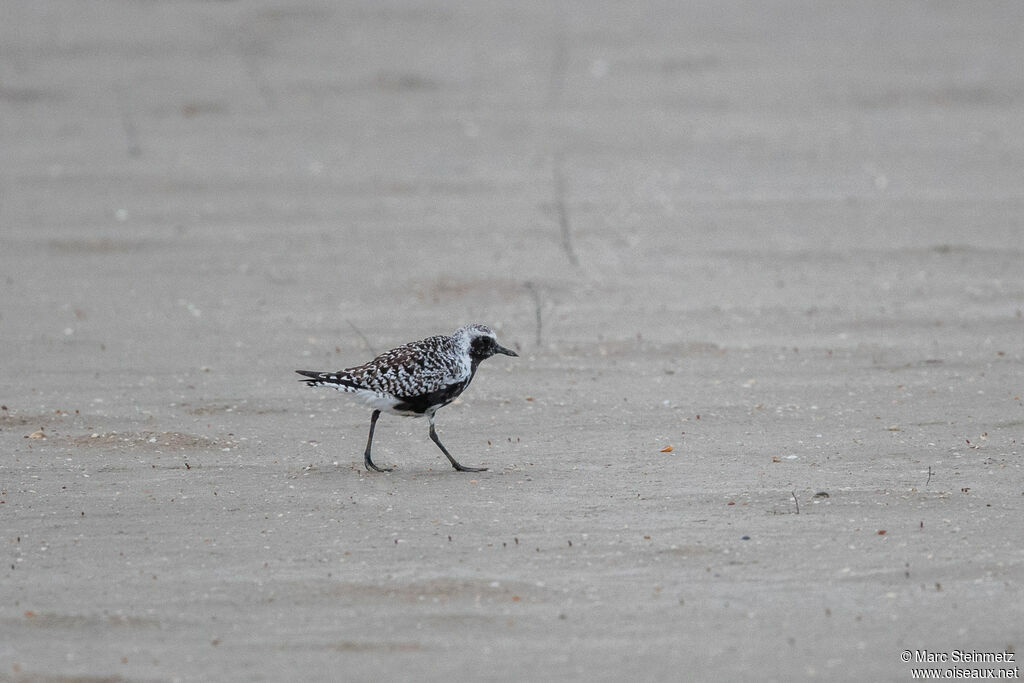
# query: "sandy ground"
[[783, 238]]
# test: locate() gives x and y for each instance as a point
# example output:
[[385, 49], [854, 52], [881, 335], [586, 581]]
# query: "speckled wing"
[[424, 367]]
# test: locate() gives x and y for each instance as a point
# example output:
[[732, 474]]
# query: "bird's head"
[[481, 342]]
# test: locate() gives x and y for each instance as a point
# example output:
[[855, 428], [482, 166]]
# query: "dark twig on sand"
[[562, 211], [559, 61], [252, 68], [535, 295], [131, 131], [362, 336]]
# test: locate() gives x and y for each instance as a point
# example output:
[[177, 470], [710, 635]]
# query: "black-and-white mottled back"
[[415, 379]]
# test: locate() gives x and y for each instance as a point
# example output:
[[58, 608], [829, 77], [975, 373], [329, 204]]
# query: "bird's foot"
[[463, 468]]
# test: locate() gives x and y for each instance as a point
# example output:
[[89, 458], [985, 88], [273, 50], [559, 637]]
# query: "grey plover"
[[415, 379]]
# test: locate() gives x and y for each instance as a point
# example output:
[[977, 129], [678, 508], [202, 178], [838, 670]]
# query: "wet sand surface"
[[762, 263]]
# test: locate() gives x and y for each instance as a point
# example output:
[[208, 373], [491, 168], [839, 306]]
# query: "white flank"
[[377, 400]]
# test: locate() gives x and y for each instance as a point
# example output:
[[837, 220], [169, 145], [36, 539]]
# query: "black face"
[[484, 347]]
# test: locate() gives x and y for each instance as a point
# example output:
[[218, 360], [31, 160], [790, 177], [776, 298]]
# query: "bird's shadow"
[[410, 471]]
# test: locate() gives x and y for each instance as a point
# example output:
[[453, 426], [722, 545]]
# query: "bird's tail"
[[336, 380]]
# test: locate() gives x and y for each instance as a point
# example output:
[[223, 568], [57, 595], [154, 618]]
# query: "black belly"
[[433, 399]]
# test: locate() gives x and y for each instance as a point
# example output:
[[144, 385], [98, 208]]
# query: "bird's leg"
[[454, 462], [369, 441]]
